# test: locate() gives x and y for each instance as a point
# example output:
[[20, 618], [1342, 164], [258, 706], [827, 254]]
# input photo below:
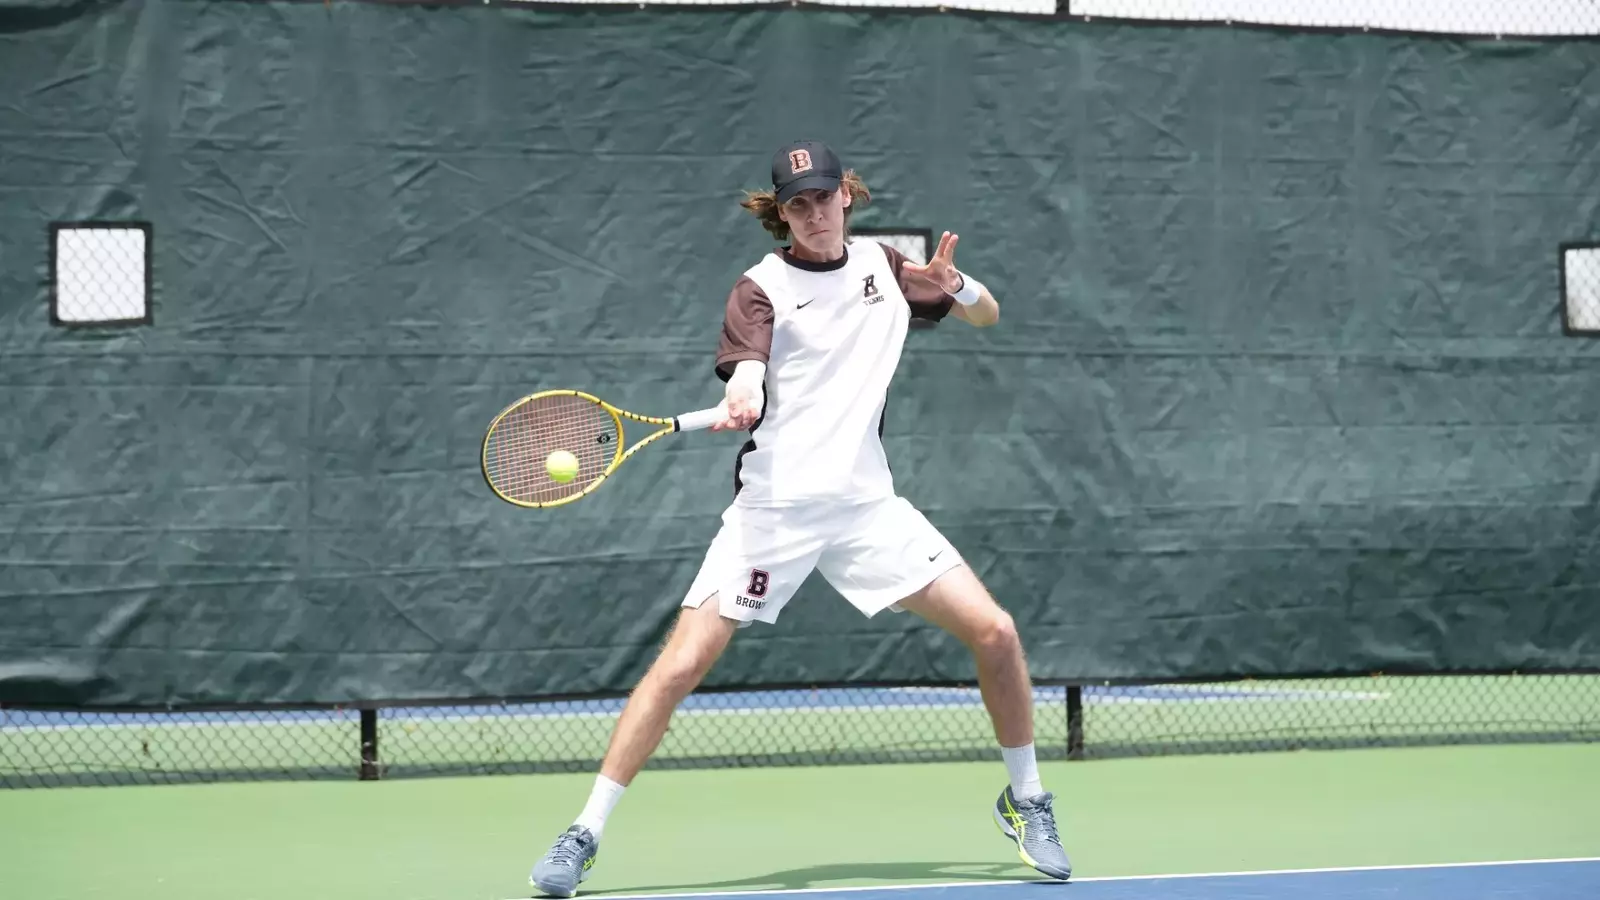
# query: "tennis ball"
[[562, 466]]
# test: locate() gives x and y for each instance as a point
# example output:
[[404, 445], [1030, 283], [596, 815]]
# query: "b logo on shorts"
[[758, 583]]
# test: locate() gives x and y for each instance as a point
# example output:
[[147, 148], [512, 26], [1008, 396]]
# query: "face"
[[816, 222]]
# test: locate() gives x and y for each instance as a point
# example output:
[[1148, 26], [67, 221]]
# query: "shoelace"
[[1040, 822], [566, 849]]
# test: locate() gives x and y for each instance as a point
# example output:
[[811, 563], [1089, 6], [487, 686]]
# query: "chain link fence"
[[1490, 18], [100, 273], [1012, 7], [1486, 18], [811, 726], [1580, 288]]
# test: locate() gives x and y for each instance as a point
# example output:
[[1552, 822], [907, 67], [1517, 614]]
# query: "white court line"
[[964, 884]]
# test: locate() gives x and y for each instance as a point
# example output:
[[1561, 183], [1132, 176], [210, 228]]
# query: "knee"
[[689, 654], [678, 677], [681, 672], [997, 636]]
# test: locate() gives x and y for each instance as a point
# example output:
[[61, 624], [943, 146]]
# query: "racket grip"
[[699, 420]]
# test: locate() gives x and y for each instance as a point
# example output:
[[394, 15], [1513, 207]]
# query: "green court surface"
[[754, 829]]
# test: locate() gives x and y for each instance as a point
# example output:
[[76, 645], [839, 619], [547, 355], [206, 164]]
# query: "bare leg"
[[697, 640], [958, 602]]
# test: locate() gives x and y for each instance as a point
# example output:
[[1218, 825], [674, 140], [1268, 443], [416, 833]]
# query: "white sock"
[[1024, 771], [602, 798]]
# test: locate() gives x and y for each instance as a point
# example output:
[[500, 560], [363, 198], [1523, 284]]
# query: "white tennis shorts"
[[874, 554]]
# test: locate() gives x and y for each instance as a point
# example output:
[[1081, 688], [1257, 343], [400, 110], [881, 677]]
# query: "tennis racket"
[[519, 448]]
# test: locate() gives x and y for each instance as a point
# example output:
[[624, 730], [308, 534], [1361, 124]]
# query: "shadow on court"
[[815, 876]]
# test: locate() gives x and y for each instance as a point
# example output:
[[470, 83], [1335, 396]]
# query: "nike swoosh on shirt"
[[807, 303]]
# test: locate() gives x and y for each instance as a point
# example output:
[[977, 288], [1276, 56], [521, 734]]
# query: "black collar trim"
[[809, 266]]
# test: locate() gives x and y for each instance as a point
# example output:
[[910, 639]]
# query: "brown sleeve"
[[746, 327], [926, 300]]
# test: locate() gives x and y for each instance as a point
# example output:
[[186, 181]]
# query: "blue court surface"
[[1565, 879]]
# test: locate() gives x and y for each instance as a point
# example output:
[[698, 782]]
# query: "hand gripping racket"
[[520, 460]]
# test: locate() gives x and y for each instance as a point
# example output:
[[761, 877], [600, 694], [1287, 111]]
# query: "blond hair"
[[764, 205]]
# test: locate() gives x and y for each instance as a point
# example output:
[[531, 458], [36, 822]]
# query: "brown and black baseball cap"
[[803, 166]]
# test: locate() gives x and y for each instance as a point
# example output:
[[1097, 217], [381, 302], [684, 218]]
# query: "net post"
[[369, 744], [1074, 722]]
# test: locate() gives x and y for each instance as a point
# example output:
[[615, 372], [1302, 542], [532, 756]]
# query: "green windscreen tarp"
[[1278, 387]]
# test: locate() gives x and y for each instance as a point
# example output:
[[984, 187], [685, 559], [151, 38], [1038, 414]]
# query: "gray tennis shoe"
[[567, 864], [1031, 823]]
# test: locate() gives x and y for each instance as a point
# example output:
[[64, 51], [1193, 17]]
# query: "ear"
[[845, 190]]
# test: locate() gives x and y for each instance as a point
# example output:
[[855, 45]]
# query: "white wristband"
[[970, 291], [749, 375]]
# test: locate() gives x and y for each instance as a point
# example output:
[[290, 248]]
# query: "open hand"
[[941, 269]]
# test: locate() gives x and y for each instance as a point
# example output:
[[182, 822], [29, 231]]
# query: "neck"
[[816, 254]]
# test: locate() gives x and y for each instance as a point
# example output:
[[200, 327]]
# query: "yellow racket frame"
[[671, 424]]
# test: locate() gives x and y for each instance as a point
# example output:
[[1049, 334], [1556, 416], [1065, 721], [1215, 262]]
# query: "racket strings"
[[525, 437]]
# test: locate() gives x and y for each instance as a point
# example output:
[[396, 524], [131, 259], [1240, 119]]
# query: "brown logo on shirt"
[[870, 292], [799, 161]]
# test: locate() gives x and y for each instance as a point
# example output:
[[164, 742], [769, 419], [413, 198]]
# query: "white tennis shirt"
[[831, 336]]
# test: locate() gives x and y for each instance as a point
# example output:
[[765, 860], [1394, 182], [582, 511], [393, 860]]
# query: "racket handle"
[[699, 420]]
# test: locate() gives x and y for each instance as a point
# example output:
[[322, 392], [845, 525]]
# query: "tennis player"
[[811, 338]]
